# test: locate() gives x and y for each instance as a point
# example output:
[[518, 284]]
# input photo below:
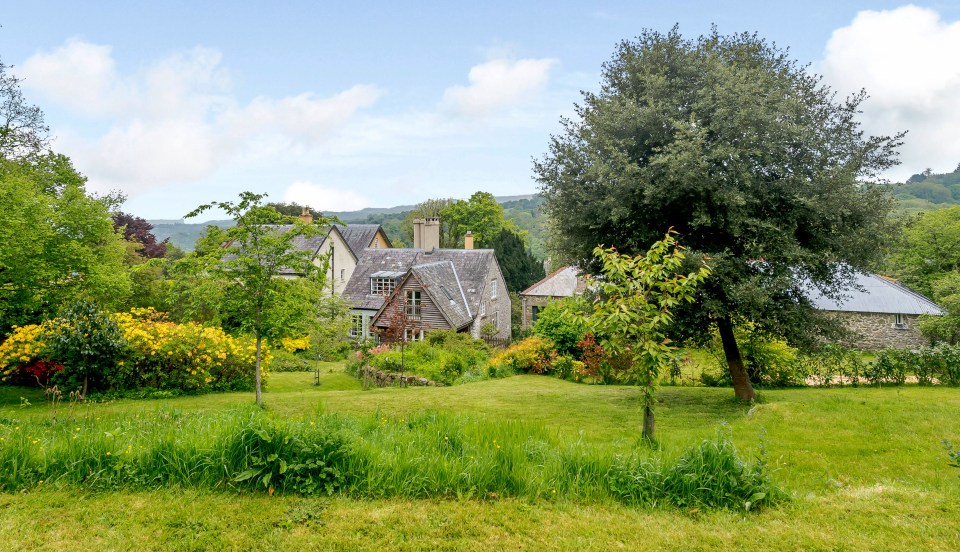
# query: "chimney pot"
[[305, 216], [468, 240]]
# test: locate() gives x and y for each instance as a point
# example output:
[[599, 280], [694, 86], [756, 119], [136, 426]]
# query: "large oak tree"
[[755, 163]]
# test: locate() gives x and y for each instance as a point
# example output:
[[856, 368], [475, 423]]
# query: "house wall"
[[367, 319], [380, 241], [496, 309], [530, 301], [342, 263], [876, 331]]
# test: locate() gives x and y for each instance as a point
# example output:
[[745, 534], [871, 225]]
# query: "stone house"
[[433, 288], [880, 311], [341, 245], [563, 282]]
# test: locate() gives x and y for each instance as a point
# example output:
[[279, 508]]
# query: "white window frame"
[[413, 334], [493, 289], [414, 304], [356, 325], [382, 286], [483, 309]]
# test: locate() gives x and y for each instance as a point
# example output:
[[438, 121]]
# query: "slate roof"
[[302, 243], [471, 267], [358, 236], [440, 282], [562, 282], [877, 294]]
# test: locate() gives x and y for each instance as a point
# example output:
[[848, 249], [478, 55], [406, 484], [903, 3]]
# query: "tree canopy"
[[747, 155], [247, 265]]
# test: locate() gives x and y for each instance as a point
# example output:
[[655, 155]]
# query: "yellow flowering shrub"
[[534, 354], [24, 346], [292, 345], [188, 356], [159, 354]]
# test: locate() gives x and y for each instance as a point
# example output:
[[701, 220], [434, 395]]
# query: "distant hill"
[[523, 209], [928, 191]]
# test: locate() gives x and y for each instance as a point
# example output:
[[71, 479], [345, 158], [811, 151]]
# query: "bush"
[[156, 354], [558, 323], [444, 356], [88, 343], [534, 355], [833, 364], [890, 367], [285, 361]]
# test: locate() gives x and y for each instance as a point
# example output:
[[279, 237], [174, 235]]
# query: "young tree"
[[138, 230], [636, 299], [254, 253], [747, 155]]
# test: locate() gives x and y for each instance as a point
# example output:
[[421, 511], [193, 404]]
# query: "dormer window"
[[383, 282]]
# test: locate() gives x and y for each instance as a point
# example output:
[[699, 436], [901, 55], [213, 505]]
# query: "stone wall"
[[877, 331], [378, 378], [530, 301]]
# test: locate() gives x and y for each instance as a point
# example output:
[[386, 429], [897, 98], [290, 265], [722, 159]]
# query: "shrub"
[[156, 354], [534, 354], [444, 356], [890, 367], [556, 323], [285, 361], [87, 342], [832, 363]]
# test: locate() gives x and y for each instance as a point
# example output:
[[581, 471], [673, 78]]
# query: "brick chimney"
[[305, 216], [468, 240]]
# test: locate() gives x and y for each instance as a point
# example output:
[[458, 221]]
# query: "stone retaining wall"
[[391, 379]]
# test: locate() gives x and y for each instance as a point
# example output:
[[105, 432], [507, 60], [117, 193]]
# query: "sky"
[[377, 104]]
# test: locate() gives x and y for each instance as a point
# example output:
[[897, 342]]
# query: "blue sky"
[[387, 103]]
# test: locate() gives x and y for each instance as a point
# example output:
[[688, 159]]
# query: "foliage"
[[253, 255], [428, 455], [891, 366], [138, 230], [636, 299], [534, 355], [520, 268], [444, 356], [481, 214], [23, 132], [59, 244], [832, 364], [770, 361], [88, 343], [747, 155], [156, 353], [938, 364], [430, 208], [559, 322]]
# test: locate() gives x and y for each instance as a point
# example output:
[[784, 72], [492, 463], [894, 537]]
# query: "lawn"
[[865, 469]]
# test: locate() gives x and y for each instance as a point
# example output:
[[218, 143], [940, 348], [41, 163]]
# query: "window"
[[493, 289], [381, 286], [900, 322], [496, 320], [356, 325], [534, 311], [413, 304], [483, 309], [343, 274], [413, 334]]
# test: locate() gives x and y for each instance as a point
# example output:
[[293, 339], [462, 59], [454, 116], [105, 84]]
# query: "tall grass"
[[427, 455]]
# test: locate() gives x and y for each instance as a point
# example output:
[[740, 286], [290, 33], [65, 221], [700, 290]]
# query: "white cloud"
[[498, 84], [174, 121], [907, 60], [324, 199]]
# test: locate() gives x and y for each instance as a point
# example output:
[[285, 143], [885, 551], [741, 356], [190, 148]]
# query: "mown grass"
[[865, 468]]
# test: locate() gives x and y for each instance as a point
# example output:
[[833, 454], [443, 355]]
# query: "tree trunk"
[[257, 376], [85, 379], [648, 423], [738, 372]]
